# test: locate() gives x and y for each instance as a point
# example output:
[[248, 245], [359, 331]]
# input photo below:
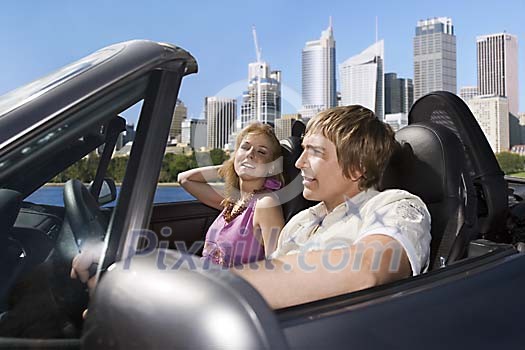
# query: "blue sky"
[[38, 37]]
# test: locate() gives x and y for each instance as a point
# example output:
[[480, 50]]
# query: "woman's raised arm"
[[195, 181]]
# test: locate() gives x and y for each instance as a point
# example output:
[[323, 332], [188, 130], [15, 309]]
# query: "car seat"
[[431, 165], [447, 109], [291, 196]]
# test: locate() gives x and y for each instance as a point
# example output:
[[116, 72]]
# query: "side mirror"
[[108, 191]]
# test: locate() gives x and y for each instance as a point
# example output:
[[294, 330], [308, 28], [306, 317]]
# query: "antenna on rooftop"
[[376, 30], [257, 49]]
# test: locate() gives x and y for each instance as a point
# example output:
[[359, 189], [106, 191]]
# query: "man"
[[356, 237]]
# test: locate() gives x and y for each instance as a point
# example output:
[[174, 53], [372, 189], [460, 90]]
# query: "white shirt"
[[394, 213]]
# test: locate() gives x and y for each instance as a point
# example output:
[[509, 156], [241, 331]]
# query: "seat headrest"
[[298, 128], [425, 163], [292, 195], [291, 150]]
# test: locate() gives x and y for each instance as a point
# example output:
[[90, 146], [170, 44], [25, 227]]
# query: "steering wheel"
[[82, 212], [87, 224]]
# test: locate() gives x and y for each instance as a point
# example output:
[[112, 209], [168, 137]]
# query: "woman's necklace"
[[230, 212]]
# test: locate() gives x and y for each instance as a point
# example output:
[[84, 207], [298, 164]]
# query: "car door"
[[472, 304], [182, 225]]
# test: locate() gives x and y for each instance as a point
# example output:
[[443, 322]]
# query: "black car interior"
[[430, 162], [431, 165], [447, 109], [462, 185], [11, 250], [444, 158], [38, 242]]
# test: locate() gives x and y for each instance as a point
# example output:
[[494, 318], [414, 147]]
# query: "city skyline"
[[219, 36]]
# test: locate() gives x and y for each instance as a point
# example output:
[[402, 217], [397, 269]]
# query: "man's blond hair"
[[363, 143]]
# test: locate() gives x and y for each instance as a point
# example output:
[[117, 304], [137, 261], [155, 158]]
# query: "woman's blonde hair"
[[363, 142], [227, 171]]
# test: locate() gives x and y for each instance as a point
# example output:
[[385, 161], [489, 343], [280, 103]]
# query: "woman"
[[248, 227]]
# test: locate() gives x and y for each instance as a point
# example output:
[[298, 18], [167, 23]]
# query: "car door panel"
[[182, 222], [461, 310]]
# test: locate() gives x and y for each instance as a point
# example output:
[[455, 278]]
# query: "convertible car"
[[153, 290]]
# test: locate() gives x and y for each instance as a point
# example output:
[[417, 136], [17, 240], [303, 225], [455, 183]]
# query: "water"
[[53, 195]]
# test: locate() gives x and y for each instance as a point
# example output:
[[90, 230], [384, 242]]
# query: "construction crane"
[[258, 50]]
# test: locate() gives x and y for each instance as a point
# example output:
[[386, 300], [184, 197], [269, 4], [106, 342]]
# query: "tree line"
[[511, 163], [172, 164]]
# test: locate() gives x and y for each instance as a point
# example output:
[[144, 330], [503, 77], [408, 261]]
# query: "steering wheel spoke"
[[83, 213]]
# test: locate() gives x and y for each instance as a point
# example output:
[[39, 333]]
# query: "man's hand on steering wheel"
[[83, 263], [88, 226]]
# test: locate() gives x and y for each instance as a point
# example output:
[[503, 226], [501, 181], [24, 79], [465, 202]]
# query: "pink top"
[[234, 243]]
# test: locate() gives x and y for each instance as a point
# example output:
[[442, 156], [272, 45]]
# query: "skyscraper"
[[262, 100], [497, 56], [434, 56], [407, 94], [179, 114], [193, 133], [318, 74], [220, 118], [283, 125], [399, 94], [362, 79], [392, 94], [492, 114], [468, 92]]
